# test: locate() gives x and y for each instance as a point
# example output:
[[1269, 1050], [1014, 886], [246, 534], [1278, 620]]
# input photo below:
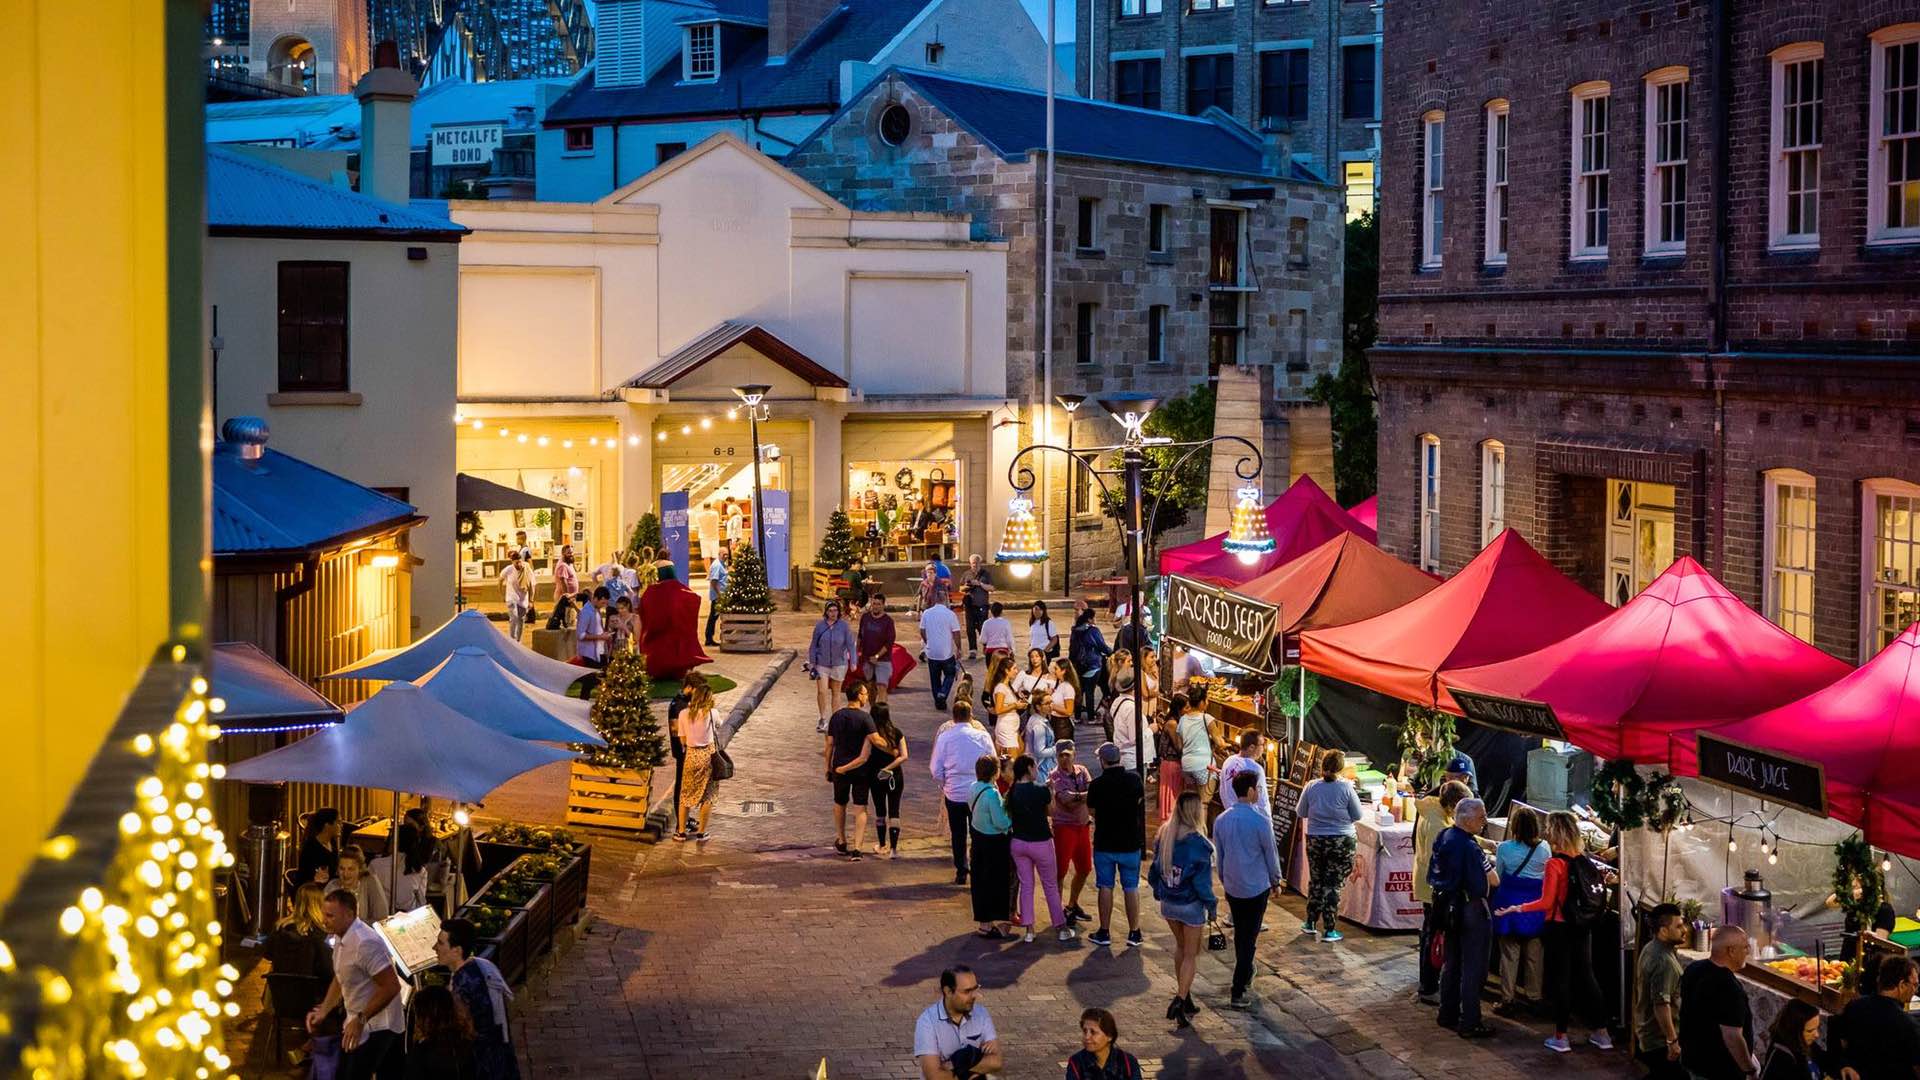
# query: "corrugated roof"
[[245, 194], [281, 504], [723, 336], [809, 77]]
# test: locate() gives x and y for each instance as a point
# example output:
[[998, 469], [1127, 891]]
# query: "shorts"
[[879, 674], [1196, 782], [850, 788], [1106, 862], [1072, 847], [838, 672], [1189, 912]]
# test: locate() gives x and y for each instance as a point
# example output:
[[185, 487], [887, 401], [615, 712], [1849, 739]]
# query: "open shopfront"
[[569, 469]]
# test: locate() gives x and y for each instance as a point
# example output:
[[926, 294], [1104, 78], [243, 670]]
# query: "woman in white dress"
[[1005, 703]]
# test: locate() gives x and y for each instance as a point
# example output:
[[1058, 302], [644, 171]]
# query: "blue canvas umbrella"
[[472, 684], [469, 629]]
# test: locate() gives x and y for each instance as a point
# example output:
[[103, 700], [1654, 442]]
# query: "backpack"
[[1586, 891]]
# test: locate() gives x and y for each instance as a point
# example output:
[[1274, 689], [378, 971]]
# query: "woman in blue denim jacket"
[[1182, 880]]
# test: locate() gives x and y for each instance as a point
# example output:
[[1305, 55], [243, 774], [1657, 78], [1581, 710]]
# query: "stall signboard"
[[675, 523], [1771, 775], [1231, 628], [776, 517], [467, 144], [1300, 762], [1517, 715], [1286, 812]]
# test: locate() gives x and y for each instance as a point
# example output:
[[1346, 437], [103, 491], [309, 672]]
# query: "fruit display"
[[1808, 970]]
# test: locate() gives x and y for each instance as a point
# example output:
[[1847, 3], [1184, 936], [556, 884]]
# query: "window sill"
[[587, 153], [1793, 247], [1089, 253], [1893, 247], [1160, 258], [1663, 254], [1492, 268], [1427, 268], [1588, 262], [313, 397], [1216, 287]]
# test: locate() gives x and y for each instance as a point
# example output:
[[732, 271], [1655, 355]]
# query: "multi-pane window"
[[1226, 327], [1496, 249], [1789, 539], [1209, 83], [1591, 197], [1430, 503], [1283, 84], [1667, 115], [578, 139], [1157, 334], [1893, 171], [1209, 5], [313, 326], [1139, 7], [1799, 103], [1493, 490], [1084, 316], [1137, 83], [703, 53], [1358, 97], [1892, 587], [1159, 228], [1087, 233], [1433, 215]]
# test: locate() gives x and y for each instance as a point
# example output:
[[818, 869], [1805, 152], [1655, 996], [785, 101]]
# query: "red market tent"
[[1301, 519], [1863, 730], [1366, 512], [1343, 580], [1682, 655], [1507, 601]]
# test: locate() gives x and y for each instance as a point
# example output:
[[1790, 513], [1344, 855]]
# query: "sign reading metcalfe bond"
[[1510, 714], [467, 144], [1226, 626], [1771, 775]]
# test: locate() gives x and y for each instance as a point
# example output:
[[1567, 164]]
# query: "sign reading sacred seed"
[[1510, 714], [1766, 773], [1224, 625]]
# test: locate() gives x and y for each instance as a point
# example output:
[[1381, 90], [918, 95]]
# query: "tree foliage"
[[746, 592], [1186, 418], [837, 550], [645, 533], [1348, 393], [623, 711]]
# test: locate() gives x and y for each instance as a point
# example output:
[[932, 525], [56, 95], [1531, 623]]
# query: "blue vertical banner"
[[674, 523], [779, 542]]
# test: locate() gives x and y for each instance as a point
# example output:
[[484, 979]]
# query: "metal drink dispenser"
[[1750, 907]]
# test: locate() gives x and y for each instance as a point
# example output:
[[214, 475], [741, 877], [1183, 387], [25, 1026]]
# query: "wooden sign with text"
[[1517, 715], [1300, 763], [1769, 774], [1286, 812]]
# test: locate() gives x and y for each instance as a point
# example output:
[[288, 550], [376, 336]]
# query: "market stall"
[[1302, 518], [1379, 891]]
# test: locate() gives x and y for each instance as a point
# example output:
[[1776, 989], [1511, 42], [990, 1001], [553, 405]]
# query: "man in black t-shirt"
[[1716, 1024], [1116, 799], [847, 731], [1877, 1039]]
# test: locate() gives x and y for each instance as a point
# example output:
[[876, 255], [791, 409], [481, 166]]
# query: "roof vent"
[[249, 433]]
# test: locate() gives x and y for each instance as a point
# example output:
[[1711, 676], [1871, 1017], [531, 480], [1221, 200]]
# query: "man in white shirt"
[[1120, 711], [940, 645], [591, 632], [996, 634], [364, 981], [954, 1037], [955, 751], [1247, 759], [516, 581]]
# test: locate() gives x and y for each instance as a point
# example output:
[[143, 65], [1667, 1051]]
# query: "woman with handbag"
[[881, 757], [1522, 861], [700, 780], [1182, 880]]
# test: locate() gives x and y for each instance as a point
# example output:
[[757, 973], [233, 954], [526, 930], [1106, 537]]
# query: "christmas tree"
[[836, 550], [746, 591], [623, 712], [645, 533]]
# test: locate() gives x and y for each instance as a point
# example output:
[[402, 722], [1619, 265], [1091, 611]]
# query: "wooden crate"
[[827, 584], [745, 633], [608, 798]]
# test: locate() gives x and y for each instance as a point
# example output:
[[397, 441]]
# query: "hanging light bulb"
[[478, 424], [1732, 844], [1020, 545], [1886, 862], [1247, 534], [1773, 857]]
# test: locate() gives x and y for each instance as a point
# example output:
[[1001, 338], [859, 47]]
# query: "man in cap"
[[1072, 824]]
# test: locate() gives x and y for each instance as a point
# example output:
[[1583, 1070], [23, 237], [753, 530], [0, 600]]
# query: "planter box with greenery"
[[557, 857], [611, 785], [746, 607], [503, 937], [514, 890]]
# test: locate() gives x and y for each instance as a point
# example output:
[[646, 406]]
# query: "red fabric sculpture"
[[669, 630]]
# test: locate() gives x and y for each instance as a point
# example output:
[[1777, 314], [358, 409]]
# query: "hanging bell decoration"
[[1247, 535], [1020, 544]]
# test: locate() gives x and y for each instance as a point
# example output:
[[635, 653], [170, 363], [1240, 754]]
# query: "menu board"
[[1300, 762], [1769, 774], [1286, 812], [410, 937]]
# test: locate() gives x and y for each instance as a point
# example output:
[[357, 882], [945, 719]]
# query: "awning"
[[469, 628], [1682, 655], [1343, 580], [1301, 519], [1366, 512], [260, 694], [472, 684], [473, 493]]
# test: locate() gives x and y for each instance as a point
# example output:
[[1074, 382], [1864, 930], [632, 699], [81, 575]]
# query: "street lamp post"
[[1071, 403], [753, 394], [1022, 546]]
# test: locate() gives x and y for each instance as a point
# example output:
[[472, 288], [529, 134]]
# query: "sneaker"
[[1068, 933], [821, 727], [1027, 937], [1559, 1045], [680, 836], [1332, 936], [701, 837], [840, 847], [1308, 927], [853, 854], [1480, 1031], [1134, 940], [1077, 915], [1101, 938], [1240, 1000], [1599, 1039], [1425, 998]]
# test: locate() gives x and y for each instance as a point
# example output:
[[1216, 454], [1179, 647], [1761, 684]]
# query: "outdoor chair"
[[290, 996]]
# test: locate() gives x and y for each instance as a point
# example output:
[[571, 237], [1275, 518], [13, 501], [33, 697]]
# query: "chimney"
[[248, 436], [790, 21], [1276, 146], [386, 127]]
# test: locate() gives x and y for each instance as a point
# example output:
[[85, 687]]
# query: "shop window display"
[[905, 511]]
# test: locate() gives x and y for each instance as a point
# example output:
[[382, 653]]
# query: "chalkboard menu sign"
[[1286, 813], [1771, 775], [1510, 714], [1300, 763]]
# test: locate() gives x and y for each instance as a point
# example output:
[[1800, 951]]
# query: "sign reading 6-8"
[[723, 451]]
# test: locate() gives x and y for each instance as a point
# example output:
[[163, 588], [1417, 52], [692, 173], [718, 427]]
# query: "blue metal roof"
[[332, 121], [807, 78], [280, 504], [248, 195]]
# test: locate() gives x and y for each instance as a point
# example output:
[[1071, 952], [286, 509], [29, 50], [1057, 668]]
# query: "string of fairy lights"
[[593, 442]]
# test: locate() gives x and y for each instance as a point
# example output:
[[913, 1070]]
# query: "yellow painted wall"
[[84, 305]]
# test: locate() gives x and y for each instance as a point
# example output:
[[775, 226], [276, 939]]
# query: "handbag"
[[722, 765], [1216, 937]]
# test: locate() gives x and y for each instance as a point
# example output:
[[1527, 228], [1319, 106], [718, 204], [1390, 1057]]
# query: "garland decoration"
[[1292, 701], [1859, 887], [1624, 800]]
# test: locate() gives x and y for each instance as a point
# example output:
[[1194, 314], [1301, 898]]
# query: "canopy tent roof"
[[1343, 580], [473, 493], [401, 739], [261, 694], [472, 684], [1366, 512], [1682, 655], [469, 628], [1301, 519], [1507, 601], [1863, 730]]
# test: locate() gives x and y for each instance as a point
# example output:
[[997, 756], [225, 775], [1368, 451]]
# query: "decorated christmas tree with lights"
[[746, 592], [837, 551], [623, 711]]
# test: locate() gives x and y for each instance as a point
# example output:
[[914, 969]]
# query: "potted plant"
[[611, 784], [837, 552], [746, 607], [503, 936]]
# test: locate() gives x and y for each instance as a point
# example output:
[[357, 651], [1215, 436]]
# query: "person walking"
[[1716, 1020], [830, 655], [1117, 799], [365, 983], [951, 762], [1330, 807], [1166, 749], [1041, 742], [699, 784], [516, 583], [716, 586], [847, 732], [1573, 897], [1656, 997], [1521, 861], [1118, 718], [1196, 744], [1072, 825], [857, 578], [976, 593], [940, 646], [1028, 808], [484, 994], [875, 640], [1088, 649], [441, 1044], [1006, 704], [1249, 875], [954, 1037], [992, 867], [1250, 749], [1040, 630], [1098, 1057], [566, 581], [884, 752], [590, 634], [1462, 877], [1182, 880], [996, 633]]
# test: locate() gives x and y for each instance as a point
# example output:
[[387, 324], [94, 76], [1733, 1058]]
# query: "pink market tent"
[[1863, 730], [1682, 655], [1343, 580], [1301, 519], [1366, 512], [1506, 602]]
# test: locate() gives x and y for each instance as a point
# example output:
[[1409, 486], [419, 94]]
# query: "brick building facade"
[[1180, 245], [1653, 289], [1313, 67]]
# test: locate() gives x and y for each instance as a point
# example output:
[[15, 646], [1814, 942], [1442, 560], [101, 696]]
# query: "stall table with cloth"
[[1379, 892]]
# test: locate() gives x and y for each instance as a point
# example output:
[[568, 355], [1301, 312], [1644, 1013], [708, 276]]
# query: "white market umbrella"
[[469, 629], [473, 684]]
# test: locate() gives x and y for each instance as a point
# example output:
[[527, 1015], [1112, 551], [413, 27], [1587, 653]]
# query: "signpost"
[[1517, 715], [467, 144], [1229, 627], [675, 524], [1769, 774], [776, 522]]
